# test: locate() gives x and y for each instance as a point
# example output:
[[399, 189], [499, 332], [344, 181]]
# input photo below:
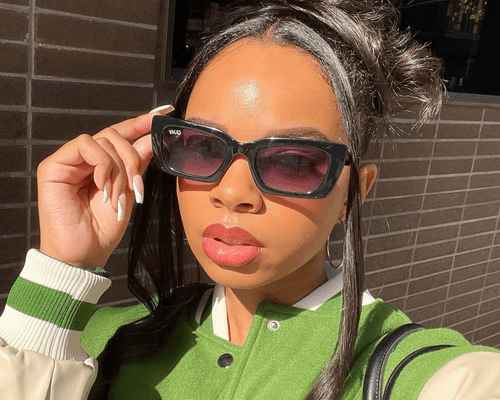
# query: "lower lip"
[[231, 256]]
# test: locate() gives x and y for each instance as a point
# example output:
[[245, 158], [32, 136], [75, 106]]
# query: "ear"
[[367, 175]]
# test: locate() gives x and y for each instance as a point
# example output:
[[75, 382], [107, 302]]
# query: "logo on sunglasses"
[[175, 132]]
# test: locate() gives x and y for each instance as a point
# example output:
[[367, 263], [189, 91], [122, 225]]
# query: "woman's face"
[[243, 238]]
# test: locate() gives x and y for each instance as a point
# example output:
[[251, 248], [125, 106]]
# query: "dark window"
[[465, 34]]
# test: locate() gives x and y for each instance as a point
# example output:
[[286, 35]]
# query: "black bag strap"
[[372, 386]]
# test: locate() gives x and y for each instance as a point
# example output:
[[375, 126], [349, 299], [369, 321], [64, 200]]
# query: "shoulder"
[[107, 320]]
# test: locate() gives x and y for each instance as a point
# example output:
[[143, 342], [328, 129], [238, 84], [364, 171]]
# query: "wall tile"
[[426, 313], [460, 302], [442, 216], [473, 228], [469, 272], [12, 125], [34, 222], [12, 221], [486, 332], [68, 126], [396, 206], [481, 211], [442, 200], [12, 90], [39, 153], [15, 59], [400, 169], [431, 267], [493, 341], [437, 234], [400, 240], [118, 291], [13, 25], [92, 66], [399, 150], [460, 112], [393, 224], [434, 251], [454, 149], [459, 316], [12, 250], [458, 131], [12, 190], [465, 326], [491, 147], [490, 131], [390, 292], [435, 185], [466, 286], [68, 95], [446, 167], [485, 180], [400, 188], [428, 283], [17, 2], [489, 306], [392, 259], [483, 196], [492, 114], [96, 35], [128, 10], [380, 279], [487, 164], [474, 242], [12, 158], [491, 292], [472, 257]]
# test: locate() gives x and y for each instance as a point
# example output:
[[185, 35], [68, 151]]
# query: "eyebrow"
[[294, 133]]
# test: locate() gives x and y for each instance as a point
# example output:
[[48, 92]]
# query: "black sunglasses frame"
[[338, 155]]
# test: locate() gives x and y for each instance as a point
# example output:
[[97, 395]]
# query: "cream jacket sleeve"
[[40, 331]]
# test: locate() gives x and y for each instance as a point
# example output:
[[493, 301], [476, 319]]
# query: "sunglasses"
[[305, 168]]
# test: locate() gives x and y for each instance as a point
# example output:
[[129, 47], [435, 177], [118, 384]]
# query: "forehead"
[[255, 87]]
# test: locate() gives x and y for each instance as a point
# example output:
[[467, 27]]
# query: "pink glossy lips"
[[232, 247]]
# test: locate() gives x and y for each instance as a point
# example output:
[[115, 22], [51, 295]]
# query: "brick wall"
[[432, 220]]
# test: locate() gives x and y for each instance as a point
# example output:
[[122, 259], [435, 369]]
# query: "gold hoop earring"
[[328, 257]]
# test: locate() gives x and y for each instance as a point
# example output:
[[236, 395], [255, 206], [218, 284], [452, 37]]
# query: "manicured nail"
[[138, 189], [162, 108], [119, 217], [105, 196]]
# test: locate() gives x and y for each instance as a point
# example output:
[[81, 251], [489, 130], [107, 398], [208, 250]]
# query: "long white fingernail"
[[168, 107], [119, 217], [105, 196], [138, 189]]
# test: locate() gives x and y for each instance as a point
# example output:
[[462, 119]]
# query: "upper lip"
[[231, 235]]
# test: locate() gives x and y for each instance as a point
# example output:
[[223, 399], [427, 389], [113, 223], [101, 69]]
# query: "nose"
[[236, 190]]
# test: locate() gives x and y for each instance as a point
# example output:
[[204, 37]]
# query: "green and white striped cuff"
[[48, 307]]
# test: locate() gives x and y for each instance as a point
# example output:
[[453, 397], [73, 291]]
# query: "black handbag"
[[372, 385]]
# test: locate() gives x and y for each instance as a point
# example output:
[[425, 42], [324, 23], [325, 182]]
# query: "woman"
[[259, 161]]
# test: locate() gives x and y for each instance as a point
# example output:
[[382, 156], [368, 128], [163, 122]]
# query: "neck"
[[241, 304]]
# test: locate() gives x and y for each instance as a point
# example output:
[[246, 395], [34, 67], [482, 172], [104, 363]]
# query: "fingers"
[[132, 129]]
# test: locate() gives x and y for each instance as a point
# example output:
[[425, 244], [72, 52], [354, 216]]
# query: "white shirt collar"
[[312, 301]]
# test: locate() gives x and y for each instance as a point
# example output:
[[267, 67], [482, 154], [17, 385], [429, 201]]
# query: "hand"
[[77, 225]]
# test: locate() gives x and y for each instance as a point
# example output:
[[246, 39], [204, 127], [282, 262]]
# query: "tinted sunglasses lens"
[[192, 152], [292, 169]]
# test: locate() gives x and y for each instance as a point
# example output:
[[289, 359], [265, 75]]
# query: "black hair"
[[372, 67]]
